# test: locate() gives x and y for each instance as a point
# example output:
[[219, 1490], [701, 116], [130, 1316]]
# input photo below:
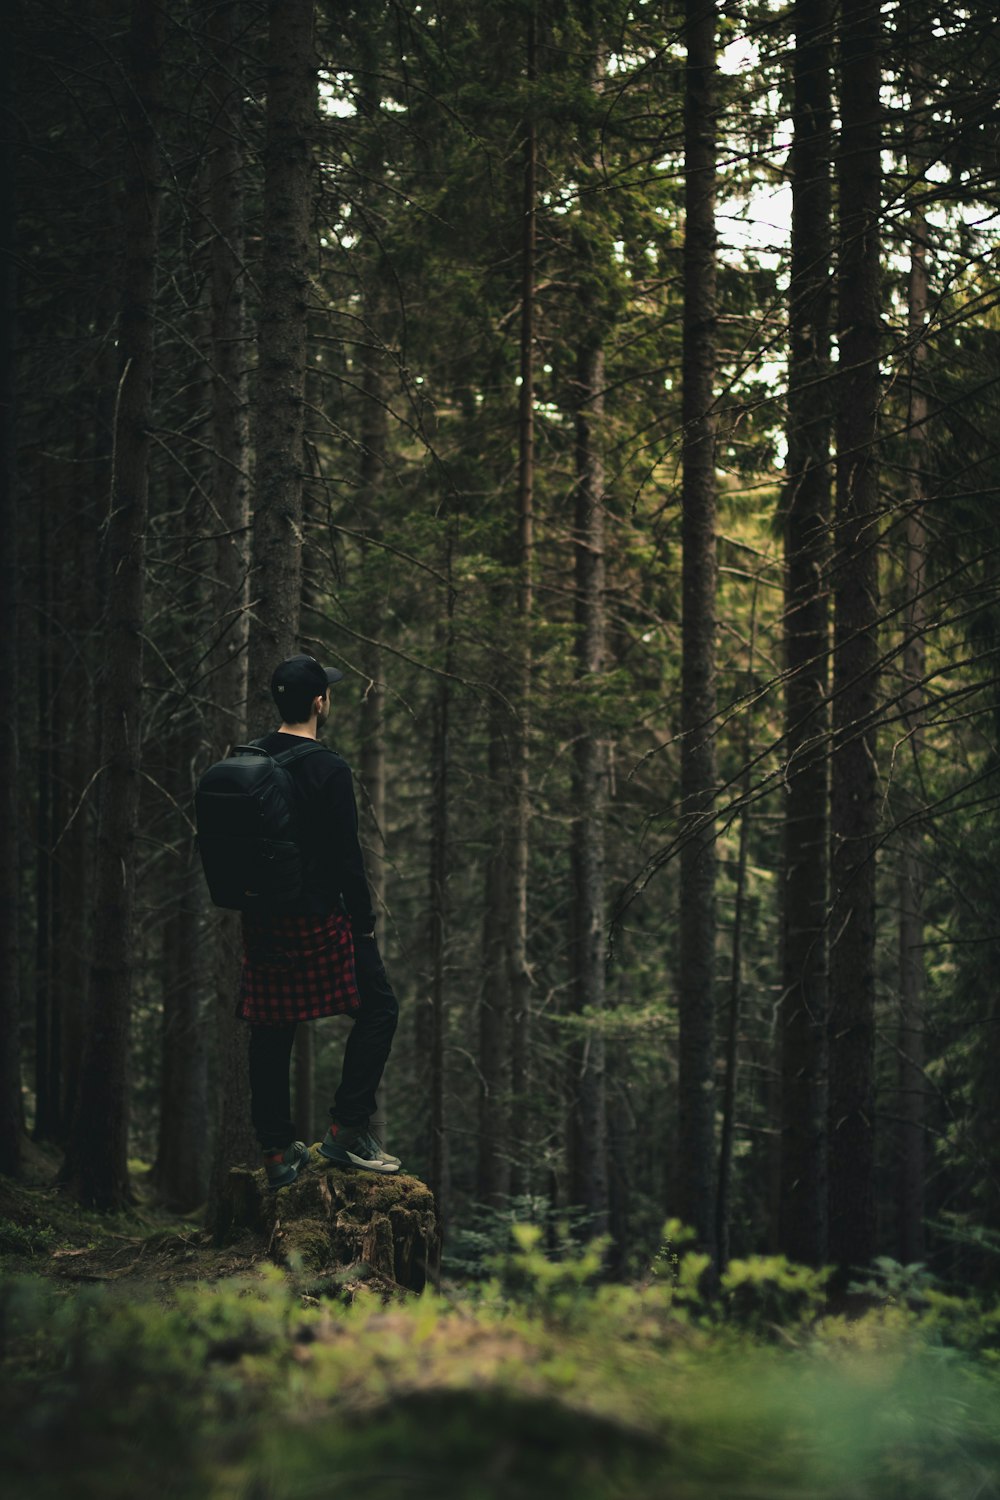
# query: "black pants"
[[368, 1047]]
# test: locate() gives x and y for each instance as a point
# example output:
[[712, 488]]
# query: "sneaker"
[[282, 1167], [355, 1146], [385, 1155]]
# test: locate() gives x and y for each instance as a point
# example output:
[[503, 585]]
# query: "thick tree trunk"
[[912, 1083], [802, 1230], [234, 1138], [96, 1165], [10, 995], [695, 1144], [854, 782], [276, 569]]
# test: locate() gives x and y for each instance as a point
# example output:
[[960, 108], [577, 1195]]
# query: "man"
[[319, 956]]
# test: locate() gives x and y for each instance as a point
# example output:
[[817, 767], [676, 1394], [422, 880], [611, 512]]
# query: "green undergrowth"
[[277, 1386]]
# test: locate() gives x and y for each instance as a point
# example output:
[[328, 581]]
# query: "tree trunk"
[[802, 1229], [47, 1096], [181, 1172], [374, 434], [589, 1144], [276, 567], [695, 1143], [854, 784], [234, 1137], [912, 1084], [182, 1163], [85, 565], [96, 1164], [10, 994], [516, 886], [493, 1145], [588, 1147], [433, 1068], [504, 1011], [723, 1208]]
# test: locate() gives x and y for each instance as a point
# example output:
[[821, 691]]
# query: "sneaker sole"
[[348, 1159]]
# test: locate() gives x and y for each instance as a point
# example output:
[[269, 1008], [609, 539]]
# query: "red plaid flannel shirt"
[[296, 968]]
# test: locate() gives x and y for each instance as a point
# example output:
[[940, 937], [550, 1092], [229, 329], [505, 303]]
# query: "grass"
[[191, 1381]]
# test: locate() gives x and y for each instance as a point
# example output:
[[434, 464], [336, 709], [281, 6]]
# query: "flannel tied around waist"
[[296, 968]]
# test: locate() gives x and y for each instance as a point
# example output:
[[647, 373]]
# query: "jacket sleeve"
[[345, 849]]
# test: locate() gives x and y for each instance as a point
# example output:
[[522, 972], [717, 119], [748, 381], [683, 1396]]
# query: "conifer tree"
[[854, 778], [96, 1164], [806, 503], [696, 1059], [10, 926]]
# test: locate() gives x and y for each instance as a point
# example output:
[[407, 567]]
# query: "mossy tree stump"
[[332, 1217]]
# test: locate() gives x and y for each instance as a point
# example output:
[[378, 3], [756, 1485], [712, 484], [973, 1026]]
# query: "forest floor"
[[44, 1233], [135, 1354]]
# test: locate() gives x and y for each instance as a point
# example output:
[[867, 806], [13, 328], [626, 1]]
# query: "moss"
[[491, 1445], [332, 1217], [306, 1240]]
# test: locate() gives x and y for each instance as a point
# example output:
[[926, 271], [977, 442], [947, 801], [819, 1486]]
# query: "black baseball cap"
[[301, 674]]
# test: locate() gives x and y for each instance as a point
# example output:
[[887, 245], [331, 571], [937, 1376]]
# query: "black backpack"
[[245, 811]]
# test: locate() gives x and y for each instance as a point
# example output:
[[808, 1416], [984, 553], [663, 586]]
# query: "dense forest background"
[[609, 389]]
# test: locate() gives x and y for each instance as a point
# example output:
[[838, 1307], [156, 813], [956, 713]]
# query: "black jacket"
[[328, 820]]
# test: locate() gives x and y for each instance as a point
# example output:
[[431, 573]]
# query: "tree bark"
[[493, 1145], [181, 1173], [854, 784], [695, 1144], [589, 1144], [723, 1210], [276, 566], [374, 435], [439, 1174], [47, 1090], [234, 1140], [504, 1008], [10, 842], [86, 561], [912, 1083], [96, 1164], [516, 885], [802, 1228], [589, 1185]]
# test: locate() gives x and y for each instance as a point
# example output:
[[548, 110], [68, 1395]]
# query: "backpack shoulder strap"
[[297, 752]]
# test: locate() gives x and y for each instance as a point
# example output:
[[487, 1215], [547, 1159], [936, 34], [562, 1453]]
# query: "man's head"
[[301, 689]]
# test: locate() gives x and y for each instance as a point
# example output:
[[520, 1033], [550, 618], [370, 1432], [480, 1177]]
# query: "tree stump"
[[333, 1217]]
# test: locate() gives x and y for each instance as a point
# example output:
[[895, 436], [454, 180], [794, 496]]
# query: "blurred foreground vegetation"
[[277, 1383]]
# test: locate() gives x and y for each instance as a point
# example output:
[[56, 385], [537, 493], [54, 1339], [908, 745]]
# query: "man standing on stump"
[[318, 956]]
